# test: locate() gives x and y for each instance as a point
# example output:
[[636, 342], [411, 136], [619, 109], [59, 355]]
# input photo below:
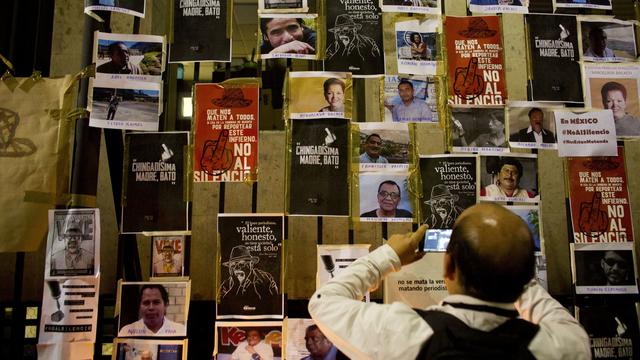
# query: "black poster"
[[613, 330], [448, 187], [553, 46], [200, 31], [153, 191], [250, 272], [354, 37], [319, 165]]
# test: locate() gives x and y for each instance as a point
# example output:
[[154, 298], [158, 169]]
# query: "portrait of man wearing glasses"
[[615, 267], [73, 259], [389, 197]]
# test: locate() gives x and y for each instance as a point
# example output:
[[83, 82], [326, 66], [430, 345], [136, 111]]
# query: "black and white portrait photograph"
[[604, 268], [478, 129], [73, 243], [156, 309]]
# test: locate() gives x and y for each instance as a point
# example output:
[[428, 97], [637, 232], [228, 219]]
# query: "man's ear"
[[449, 267]]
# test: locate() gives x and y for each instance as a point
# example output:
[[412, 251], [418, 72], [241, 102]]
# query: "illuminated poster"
[[226, 132], [475, 58], [599, 199]]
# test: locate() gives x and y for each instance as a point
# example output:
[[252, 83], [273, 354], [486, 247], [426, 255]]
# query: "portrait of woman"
[[334, 95], [614, 98], [418, 47]]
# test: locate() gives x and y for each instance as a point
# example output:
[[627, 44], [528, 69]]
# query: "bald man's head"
[[492, 251]]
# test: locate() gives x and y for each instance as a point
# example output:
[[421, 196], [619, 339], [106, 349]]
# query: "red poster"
[[599, 198], [475, 59], [226, 132]]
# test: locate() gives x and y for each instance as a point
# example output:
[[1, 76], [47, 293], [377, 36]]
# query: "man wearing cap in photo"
[[348, 44], [444, 210], [245, 280], [72, 257], [168, 264]]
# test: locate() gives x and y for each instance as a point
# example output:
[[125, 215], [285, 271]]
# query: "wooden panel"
[[335, 230], [300, 272], [204, 249], [455, 7], [237, 197], [515, 55], [429, 139], [554, 221], [271, 170]]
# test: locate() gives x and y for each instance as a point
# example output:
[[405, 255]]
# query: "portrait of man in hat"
[[444, 210], [245, 280], [73, 259], [348, 44]]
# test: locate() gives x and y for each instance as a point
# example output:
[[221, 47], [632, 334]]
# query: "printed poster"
[[613, 330], [125, 349], [69, 310], [412, 6], [154, 185], [499, 6], [476, 61], [129, 57], [153, 308], [589, 133], [477, 129], [599, 199], [269, 6], [385, 197], [128, 105], [509, 177], [226, 132], [168, 255], [530, 214], [233, 338], [410, 99], [605, 39], [292, 36], [315, 94], [251, 269], [354, 37], [419, 284], [201, 31], [129, 7], [615, 87], [73, 243], [333, 259], [416, 46], [553, 50], [605, 268], [585, 4], [382, 146], [449, 186], [531, 125], [319, 182]]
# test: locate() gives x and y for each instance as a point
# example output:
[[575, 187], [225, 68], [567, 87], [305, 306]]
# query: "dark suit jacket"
[[523, 136]]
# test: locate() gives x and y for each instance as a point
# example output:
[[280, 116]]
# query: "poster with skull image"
[[250, 274]]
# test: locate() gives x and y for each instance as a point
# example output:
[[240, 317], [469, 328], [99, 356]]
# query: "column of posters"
[[226, 132]]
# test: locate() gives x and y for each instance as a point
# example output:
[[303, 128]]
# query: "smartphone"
[[435, 240]]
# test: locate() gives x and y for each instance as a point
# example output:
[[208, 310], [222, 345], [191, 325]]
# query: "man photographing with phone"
[[488, 268]]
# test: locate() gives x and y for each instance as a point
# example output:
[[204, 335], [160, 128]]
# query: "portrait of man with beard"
[[248, 285], [73, 259], [444, 210]]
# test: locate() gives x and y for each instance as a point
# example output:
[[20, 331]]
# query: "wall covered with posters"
[[429, 140]]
